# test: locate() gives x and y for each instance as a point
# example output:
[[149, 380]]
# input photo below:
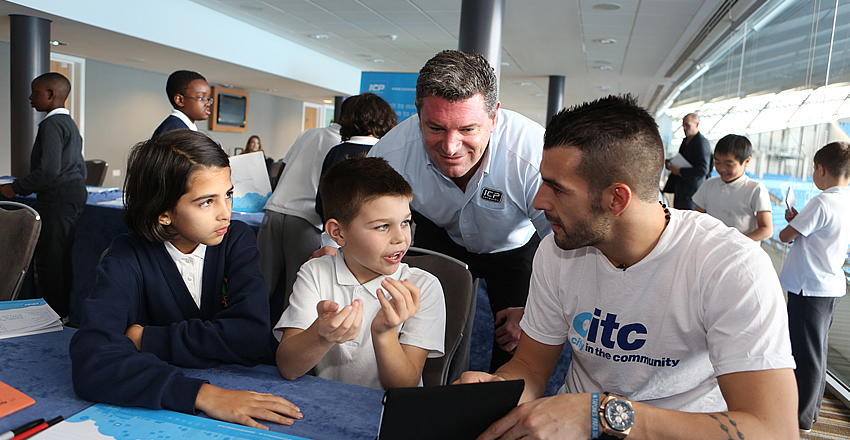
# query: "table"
[[101, 221], [40, 366]]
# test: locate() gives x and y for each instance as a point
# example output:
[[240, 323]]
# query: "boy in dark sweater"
[[57, 176]]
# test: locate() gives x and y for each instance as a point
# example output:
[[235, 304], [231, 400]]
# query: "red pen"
[[30, 432]]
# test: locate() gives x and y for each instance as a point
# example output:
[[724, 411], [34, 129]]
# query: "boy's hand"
[[790, 214], [134, 332], [404, 304], [7, 191], [341, 326], [243, 407]]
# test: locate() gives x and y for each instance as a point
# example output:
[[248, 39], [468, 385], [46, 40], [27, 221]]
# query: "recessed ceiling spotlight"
[[136, 60], [319, 36], [605, 41], [57, 43], [248, 7], [603, 67], [505, 63], [539, 95], [606, 88], [524, 84], [378, 60], [393, 37], [602, 62], [328, 101], [271, 90], [607, 6]]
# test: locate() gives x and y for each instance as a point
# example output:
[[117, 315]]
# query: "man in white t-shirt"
[[732, 197], [675, 317]]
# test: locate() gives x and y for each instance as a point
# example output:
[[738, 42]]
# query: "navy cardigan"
[[138, 283]]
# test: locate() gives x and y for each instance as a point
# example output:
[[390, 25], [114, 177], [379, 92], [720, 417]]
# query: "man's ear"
[[334, 230], [616, 198]]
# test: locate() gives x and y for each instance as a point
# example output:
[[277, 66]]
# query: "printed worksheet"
[[27, 317]]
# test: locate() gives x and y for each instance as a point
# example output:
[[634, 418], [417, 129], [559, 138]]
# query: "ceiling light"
[[524, 84], [248, 7], [605, 41], [328, 101], [318, 36], [505, 63], [136, 60], [57, 43], [602, 62], [539, 95], [603, 67], [607, 6], [393, 37], [378, 60], [271, 90]]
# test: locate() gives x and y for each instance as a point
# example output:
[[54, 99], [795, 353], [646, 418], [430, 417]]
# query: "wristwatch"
[[616, 416]]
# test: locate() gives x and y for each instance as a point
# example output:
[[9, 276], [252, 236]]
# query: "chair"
[[460, 293], [96, 172], [18, 236], [275, 169]]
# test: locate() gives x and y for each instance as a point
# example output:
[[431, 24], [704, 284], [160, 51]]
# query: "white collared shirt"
[[191, 268], [182, 116], [495, 212], [354, 362], [58, 111]]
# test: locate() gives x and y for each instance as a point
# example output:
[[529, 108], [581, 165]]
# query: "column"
[[556, 96], [481, 30]]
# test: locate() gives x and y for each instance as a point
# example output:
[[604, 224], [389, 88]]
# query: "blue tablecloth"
[[40, 367], [102, 220]]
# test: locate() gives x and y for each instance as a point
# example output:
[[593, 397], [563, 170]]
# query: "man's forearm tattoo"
[[723, 425]]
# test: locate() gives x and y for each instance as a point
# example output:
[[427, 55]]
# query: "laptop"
[[447, 412]]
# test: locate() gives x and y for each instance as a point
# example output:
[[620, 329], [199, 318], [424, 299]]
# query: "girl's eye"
[[229, 195], [405, 223], [382, 227], [206, 202]]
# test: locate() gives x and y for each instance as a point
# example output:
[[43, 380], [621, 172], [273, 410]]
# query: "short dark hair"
[[456, 76], [738, 146], [618, 140], [351, 182], [158, 172], [179, 81], [369, 115], [835, 157], [56, 81]]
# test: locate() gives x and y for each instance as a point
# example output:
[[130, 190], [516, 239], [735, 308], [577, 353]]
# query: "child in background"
[[189, 94], [58, 177], [362, 316], [733, 197], [182, 289], [812, 273]]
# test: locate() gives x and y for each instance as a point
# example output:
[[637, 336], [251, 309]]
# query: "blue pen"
[[11, 434]]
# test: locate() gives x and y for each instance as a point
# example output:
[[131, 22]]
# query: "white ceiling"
[[539, 38]]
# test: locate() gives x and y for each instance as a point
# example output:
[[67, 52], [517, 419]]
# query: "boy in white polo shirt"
[[812, 272], [362, 316], [733, 197]]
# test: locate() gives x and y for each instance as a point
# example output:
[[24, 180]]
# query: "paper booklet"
[[27, 317], [12, 400], [790, 198], [680, 161]]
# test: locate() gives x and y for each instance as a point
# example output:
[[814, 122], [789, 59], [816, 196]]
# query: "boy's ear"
[[746, 161], [334, 230], [178, 100]]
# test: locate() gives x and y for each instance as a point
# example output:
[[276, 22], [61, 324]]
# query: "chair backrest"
[[458, 289], [96, 172], [18, 236], [274, 172]]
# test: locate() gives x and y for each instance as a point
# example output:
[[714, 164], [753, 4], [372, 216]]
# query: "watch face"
[[619, 414]]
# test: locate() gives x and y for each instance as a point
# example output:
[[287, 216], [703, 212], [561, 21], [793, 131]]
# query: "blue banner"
[[398, 89]]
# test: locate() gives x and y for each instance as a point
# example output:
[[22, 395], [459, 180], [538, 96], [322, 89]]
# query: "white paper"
[[27, 317], [680, 161], [790, 199], [5, 181], [251, 186]]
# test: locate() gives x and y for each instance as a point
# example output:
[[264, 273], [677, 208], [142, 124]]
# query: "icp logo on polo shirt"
[[491, 195]]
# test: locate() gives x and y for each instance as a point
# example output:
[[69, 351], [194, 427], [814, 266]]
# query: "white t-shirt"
[[328, 278], [736, 203], [295, 193], [813, 264], [705, 302]]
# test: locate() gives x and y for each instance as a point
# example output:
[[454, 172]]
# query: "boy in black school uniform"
[[189, 94], [57, 176]]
